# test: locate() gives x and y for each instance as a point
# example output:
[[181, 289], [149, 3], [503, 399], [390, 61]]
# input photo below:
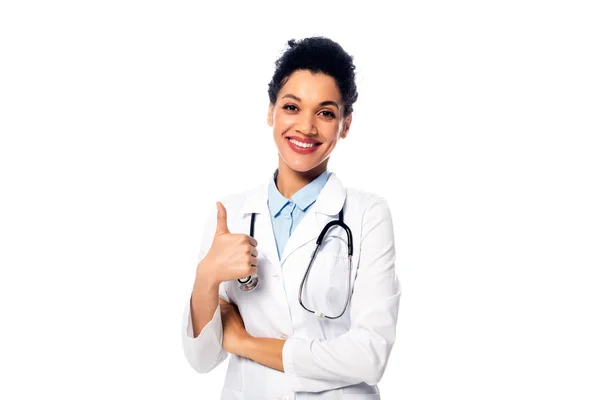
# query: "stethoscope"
[[249, 283]]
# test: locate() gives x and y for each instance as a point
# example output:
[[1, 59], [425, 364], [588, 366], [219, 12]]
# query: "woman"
[[327, 334]]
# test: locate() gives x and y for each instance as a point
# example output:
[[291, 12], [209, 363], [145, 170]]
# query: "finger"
[[253, 251], [254, 261], [221, 219], [252, 241]]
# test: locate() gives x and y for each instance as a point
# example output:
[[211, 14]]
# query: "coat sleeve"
[[361, 354], [205, 351]]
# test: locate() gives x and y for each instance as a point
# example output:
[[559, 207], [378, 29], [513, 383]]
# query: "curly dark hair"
[[317, 54]]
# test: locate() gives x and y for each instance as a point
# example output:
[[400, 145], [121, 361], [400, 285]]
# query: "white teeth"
[[300, 144]]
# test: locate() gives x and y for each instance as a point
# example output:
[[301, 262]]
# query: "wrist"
[[245, 346], [205, 278], [205, 284]]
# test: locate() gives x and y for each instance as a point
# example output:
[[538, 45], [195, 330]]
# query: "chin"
[[304, 167], [300, 167]]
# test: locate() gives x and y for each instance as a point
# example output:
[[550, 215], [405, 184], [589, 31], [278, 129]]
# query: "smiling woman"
[[303, 123], [296, 328]]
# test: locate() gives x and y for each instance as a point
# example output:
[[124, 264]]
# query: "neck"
[[288, 181]]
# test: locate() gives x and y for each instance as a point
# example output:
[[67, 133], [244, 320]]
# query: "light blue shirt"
[[286, 213]]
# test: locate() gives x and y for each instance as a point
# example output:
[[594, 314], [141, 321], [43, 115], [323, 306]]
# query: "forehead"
[[311, 87]]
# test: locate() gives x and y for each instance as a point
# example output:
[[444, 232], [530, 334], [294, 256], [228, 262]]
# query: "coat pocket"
[[339, 284]]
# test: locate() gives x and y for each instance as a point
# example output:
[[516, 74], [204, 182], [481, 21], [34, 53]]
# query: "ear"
[[346, 128], [270, 114]]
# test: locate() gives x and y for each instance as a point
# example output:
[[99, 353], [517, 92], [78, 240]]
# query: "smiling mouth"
[[302, 144]]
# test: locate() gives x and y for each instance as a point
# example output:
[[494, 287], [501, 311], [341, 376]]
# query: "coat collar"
[[329, 202], [302, 199], [327, 206]]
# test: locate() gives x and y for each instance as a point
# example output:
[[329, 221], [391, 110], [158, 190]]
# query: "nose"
[[306, 124]]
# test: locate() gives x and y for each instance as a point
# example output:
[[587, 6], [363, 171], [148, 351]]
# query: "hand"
[[234, 332], [231, 256]]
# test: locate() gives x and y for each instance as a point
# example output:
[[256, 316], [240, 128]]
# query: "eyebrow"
[[323, 103]]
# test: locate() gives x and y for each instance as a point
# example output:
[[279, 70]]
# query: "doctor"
[[278, 347]]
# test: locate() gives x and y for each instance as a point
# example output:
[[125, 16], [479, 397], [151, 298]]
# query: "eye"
[[328, 114], [290, 107]]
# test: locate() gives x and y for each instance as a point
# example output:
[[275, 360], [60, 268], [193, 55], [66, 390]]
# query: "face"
[[308, 109]]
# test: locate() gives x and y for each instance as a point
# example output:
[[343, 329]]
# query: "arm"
[[203, 302], [204, 351], [236, 340], [226, 257], [266, 351], [202, 331], [202, 334]]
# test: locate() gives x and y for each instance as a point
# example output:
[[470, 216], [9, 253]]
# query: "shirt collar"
[[303, 198]]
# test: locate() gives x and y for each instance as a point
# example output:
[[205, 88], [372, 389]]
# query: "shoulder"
[[366, 209], [369, 215], [358, 200], [364, 199], [249, 199]]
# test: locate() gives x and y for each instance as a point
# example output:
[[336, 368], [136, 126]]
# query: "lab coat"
[[343, 358]]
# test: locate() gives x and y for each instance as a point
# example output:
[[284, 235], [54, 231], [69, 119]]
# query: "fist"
[[231, 255]]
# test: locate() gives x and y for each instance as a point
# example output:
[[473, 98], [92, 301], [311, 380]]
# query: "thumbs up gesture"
[[231, 255]]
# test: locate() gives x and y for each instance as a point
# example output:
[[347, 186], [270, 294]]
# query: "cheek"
[[283, 121], [330, 131]]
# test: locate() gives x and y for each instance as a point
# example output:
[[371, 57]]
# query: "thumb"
[[221, 219]]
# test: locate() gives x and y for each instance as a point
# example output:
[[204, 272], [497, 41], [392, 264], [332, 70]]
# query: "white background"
[[122, 122]]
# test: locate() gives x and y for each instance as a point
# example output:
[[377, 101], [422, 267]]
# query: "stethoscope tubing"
[[250, 282], [330, 224]]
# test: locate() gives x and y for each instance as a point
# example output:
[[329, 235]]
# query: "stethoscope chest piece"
[[249, 283]]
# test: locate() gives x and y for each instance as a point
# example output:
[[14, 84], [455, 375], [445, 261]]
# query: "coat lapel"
[[256, 202], [327, 206]]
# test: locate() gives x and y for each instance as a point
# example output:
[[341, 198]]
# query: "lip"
[[303, 140], [301, 150]]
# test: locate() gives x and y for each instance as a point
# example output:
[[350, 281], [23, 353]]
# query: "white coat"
[[340, 359]]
